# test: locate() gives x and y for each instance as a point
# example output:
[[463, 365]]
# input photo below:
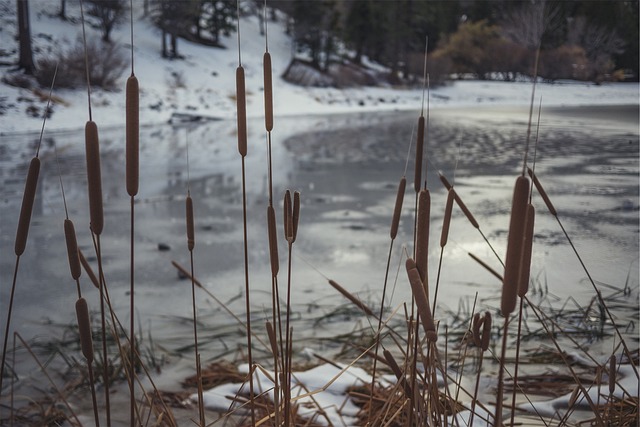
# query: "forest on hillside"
[[498, 39]]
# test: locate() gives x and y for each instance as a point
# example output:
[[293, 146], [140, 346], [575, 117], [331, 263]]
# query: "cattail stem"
[[103, 324]]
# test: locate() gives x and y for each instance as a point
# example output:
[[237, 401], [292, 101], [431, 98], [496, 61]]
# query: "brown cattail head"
[[268, 92], [422, 301], [542, 193], [397, 210], [273, 241], [422, 233], [475, 329], [459, 201], [295, 215], [445, 181], [132, 134], [355, 300], [391, 361], [273, 341], [486, 266], [241, 106], [527, 251], [417, 181], [612, 373], [486, 331], [72, 249], [84, 328], [447, 218], [514, 245], [94, 177], [191, 237], [288, 217], [85, 264], [28, 197]]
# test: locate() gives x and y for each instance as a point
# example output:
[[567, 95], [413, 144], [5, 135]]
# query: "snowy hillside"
[[203, 83]]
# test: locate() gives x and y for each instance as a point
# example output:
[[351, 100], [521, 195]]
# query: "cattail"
[[612, 374], [417, 182], [28, 197], [273, 241], [241, 105], [355, 300], [527, 250], [445, 181], [459, 201], [475, 329], [422, 233], [85, 264], [486, 331], [268, 92], [447, 218], [574, 396], [295, 216], [72, 249], [398, 208], [84, 328], [271, 333], [132, 134], [391, 361], [288, 217], [514, 245], [542, 193], [395, 368], [422, 302], [191, 239], [94, 179], [486, 266]]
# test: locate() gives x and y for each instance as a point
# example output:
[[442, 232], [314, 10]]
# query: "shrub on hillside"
[[106, 63], [564, 62]]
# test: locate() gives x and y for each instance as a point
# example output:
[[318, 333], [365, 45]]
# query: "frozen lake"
[[347, 168]]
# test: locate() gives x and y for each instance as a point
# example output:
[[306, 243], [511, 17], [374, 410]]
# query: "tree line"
[[498, 39]]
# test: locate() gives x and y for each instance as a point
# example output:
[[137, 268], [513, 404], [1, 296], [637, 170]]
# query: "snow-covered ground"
[[203, 83]]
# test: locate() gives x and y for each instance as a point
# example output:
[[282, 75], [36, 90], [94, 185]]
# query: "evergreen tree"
[[220, 17], [109, 13]]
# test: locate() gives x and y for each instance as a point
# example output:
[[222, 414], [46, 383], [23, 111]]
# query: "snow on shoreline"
[[203, 83]]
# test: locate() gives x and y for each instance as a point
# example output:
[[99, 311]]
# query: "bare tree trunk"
[[164, 44], [25, 61], [63, 10], [174, 46]]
